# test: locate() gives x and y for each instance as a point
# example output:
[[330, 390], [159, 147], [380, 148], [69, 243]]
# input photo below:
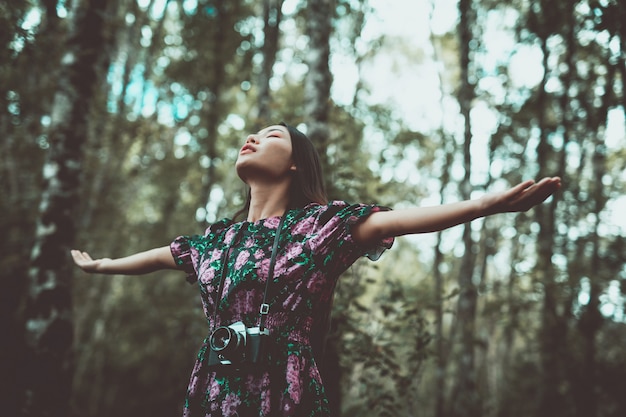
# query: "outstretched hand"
[[85, 262], [522, 197]]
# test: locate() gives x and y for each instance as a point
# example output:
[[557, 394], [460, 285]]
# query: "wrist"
[[104, 266], [485, 206]]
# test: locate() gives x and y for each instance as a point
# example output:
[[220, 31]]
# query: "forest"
[[120, 125]]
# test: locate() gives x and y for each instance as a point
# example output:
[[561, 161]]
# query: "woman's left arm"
[[415, 220]]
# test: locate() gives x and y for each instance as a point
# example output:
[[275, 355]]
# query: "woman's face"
[[266, 155]]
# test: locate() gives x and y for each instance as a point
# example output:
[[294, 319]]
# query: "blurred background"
[[120, 125]]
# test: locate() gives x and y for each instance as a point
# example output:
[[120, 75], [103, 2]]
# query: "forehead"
[[274, 128]]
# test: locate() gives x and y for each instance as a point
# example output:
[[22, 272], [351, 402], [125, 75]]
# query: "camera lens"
[[221, 338]]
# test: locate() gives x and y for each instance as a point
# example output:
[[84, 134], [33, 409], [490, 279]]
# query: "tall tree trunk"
[[27, 78], [272, 12], [465, 399], [591, 318], [553, 331], [48, 311], [318, 80], [316, 105], [211, 108], [440, 371]]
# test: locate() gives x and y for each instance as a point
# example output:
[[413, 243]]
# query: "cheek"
[[282, 156]]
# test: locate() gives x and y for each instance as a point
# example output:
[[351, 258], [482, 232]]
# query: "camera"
[[237, 344]]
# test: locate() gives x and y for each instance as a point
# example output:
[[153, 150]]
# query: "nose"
[[252, 139]]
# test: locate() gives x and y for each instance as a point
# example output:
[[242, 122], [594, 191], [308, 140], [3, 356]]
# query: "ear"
[[293, 168]]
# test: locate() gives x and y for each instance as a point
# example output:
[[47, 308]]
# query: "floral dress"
[[315, 247]]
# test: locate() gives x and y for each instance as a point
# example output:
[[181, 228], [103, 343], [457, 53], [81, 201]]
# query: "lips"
[[247, 149]]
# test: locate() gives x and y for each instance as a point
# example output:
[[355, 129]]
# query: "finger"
[[76, 255], [81, 257], [520, 189]]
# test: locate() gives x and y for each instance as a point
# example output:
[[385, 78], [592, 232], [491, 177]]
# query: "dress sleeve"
[[332, 239], [188, 250], [186, 256]]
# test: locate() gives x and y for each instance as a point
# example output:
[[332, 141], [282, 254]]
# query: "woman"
[[316, 242]]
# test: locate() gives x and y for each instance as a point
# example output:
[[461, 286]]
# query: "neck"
[[267, 201]]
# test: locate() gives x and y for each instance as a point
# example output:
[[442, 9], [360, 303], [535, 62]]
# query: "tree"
[[272, 16], [48, 312], [318, 80], [465, 400]]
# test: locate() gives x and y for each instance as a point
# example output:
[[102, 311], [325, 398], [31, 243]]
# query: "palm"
[[84, 261], [523, 196]]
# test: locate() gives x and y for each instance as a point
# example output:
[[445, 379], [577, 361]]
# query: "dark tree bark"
[[272, 12], [553, 331], [48, 311], [465, 400], [316, 109], [591, 319], [215, 87], [441, 351], [319, 79]]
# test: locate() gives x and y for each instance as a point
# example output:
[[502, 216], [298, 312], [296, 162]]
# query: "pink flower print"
[[314, 374], [265, 402], [244, 300], [316, 282], [207, 275], [292, 302], [304, 227], [229, 405], [259, 254], [293, 378], [248, 243], [263, 269], [281, 265], [215, 255], [215, 389], [228, 237], [242, 258], [329, 228], [272, 222], [292, 250], [193, 384], [251, 383]]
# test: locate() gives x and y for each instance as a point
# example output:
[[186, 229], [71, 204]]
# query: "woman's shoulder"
[[323, 213], [317, 209], [335, 207]]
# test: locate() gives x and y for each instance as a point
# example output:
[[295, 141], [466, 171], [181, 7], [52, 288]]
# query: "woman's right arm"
[[137, 264]]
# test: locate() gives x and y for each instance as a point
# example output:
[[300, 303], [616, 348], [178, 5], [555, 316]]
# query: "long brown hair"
[[307, 185]]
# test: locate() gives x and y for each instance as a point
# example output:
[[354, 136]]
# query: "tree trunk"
[[465, 399], [211, 108], [319, 79], [440, 370], [48, 311], [272, 11], [591, 319], [553, 330], [316, 105]]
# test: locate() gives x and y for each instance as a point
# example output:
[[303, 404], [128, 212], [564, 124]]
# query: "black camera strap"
[[264, 308]]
